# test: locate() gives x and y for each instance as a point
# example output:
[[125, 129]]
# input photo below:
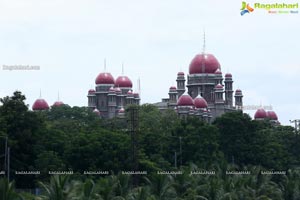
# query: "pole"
[[5, 157], [180, 151], [133, 123], [8, 162], [297, 125], [175, 158]]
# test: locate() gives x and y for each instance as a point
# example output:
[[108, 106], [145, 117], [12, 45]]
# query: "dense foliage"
[[75, 139]]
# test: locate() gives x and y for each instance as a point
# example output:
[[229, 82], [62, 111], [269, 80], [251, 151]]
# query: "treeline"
[[75, 139]]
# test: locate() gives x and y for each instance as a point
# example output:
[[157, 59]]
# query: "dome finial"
[[58, 95], [40, 93], [122, 68], [104, 64], [261, 104], [204, 41], [139, 86]]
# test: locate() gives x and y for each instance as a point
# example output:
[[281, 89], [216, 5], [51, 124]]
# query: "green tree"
[[22, 127]]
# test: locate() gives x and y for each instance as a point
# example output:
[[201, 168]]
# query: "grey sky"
[[155, 39]]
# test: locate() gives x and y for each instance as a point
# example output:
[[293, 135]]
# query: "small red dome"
[[58, 103], [121, 110], [238, 91], [228, 75], [118, 90], [180, 74], [136, 95], [129, 92], [260, 114], [105, 78], [111, 90], [40, 104], [123, 81], [91, 91], [185, 100], [172, 88], [218, 71], [219, 86], [200, 102], [272, 115], [96, 111], [204, 63]]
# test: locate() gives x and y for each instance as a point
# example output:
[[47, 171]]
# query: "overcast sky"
[[155, 39]]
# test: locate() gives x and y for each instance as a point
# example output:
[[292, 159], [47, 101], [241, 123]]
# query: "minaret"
[[111, 103], [129, 98], [180, 83], [228, 90], [219, 102], [137, 98], [219, 94], [118, 98], [91, 99], [238, 99], [172, 97]]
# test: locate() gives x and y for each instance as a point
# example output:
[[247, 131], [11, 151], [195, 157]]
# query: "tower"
[[228, 90], [180, 83], [104, 82], [125, 85], [129, 98], [219, 94], [204, 74], [238, 99], [219, 101], [136, 98], [118, 97], [91, 99], [111, 103], [172, 97]]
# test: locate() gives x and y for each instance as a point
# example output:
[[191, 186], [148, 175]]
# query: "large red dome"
[[272, 115], [260, 114], [40, 104], [58, 103], [204, 63], [185, 100], [123, 82], [200, 102], [105, 78]]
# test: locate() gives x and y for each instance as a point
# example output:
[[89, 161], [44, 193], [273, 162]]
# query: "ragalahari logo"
[[246, 8]]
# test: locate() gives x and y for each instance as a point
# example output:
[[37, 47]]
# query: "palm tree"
[[114, 187], [60, 188], [140, 193], [7, 190], [89, 191], [161, 187], [290, 186]]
